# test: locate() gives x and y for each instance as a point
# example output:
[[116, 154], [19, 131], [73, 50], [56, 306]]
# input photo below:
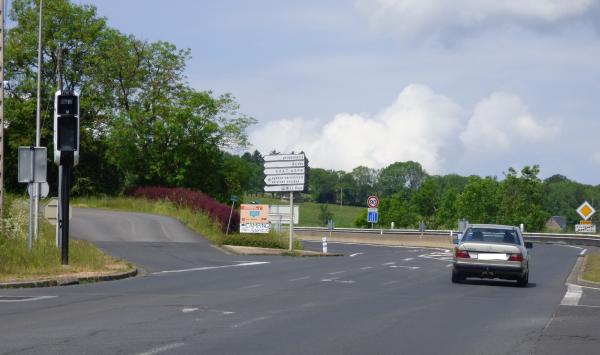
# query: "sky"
[[461, 86]]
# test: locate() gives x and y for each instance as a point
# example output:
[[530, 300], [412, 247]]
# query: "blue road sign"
[[372, 216]]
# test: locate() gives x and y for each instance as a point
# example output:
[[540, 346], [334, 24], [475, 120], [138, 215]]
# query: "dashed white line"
[[188, 310], [355, 254], [572, 296], [336, 272], [408, 259], [163, 349], [250, 321], [299, 278], [405, 267], [570, 246], [367, 267], [10, 299], [389, 263], [251, 286], [211, 267]]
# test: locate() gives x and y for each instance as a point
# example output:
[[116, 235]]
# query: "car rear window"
[[491, 235]]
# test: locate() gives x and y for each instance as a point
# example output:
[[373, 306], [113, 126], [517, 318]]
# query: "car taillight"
[[515, 257], [462, 254]]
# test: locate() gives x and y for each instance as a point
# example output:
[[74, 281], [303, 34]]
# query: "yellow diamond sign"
[[586, 210]]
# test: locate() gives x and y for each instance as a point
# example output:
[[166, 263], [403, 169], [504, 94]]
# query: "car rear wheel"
[[523, 281], [457, 277]]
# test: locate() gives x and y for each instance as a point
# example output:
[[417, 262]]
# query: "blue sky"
[[462, 86]]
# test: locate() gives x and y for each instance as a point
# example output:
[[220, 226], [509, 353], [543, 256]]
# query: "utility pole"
[[2, 113], [37, 186]]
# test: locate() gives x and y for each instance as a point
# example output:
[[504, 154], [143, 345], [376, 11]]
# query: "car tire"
[[523, 281], [457, 277]]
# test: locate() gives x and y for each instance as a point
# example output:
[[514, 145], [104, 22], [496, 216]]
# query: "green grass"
[[198, 222], [591, 268], [343, 216], [17, 263]]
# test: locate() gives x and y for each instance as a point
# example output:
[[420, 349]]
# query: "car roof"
[[492, 226]]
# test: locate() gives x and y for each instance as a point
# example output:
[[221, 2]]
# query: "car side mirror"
[[455, 241], [528, 245]]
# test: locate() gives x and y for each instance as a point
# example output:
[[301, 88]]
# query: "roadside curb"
[[243, 250], [69, 281], [580, 280]]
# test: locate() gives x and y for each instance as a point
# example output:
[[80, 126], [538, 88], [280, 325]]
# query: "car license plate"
[[491, 256]]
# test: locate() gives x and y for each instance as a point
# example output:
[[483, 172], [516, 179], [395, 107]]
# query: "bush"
[[271, 240], [194, 200]]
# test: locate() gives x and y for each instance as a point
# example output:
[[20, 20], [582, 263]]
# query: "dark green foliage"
[[325, 215], [271, 240]]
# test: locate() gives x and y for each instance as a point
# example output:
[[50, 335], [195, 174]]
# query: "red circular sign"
[[372, 201]]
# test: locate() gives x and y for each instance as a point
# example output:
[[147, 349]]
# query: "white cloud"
[[413, 16], [418, 126], [502, 122]]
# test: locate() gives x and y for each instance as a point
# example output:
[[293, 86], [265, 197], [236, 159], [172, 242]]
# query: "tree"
[[521, 199], [479, 201], [400, 176], [322, 185]]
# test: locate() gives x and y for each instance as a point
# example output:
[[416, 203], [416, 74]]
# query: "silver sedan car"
[[491, 251]]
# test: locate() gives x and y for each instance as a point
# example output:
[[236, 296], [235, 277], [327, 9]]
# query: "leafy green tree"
[[398, 209], [322, 185], [479, 201], [400, 176], [521, 199], [364, 181], [325, 215]]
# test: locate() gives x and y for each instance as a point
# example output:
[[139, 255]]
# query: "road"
[[374, 300]]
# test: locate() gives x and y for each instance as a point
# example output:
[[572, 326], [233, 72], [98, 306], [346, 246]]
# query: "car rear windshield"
[[492, 235]]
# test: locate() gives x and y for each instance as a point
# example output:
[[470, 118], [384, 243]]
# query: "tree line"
[[410, 195]]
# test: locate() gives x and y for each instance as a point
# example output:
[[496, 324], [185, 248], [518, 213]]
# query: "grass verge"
[[196, 221], [591, 267], [17, 263]]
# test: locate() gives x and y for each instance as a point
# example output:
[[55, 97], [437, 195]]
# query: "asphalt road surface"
[[374, 300]]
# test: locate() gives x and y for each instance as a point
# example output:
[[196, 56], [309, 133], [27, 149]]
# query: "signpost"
[[254, 219], [586, 211], [372, 211], [285, 173], [32, 169]]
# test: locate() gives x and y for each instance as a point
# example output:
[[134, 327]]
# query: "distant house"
[[556, 223]]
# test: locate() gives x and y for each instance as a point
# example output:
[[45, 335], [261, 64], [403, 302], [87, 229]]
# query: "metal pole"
[[229, 221], [31, 183], [2, 115], [67, 164], [291, 220], [58, 212], [36, 186]]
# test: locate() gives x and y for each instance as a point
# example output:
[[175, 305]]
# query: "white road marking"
[[299, 278], [226, 313], [390, 282], [11, 299], [163, 349], [408, 259], [390, 263], [572, 296], [405, 267], [336, 272], [212, 267], [367, 267], [330, 279], [449, 265], [251, 286], [250, 321], [355, 254], [570, 246], [583, 252], [442, 256], [336, 279], [188, 310]]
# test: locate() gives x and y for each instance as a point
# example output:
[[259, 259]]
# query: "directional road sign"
[[372, 215], [289, 179], [281, 171], [284, 157], [284, 164], [284, 188]]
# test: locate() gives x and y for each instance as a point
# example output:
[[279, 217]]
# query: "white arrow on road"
[[284, 188], [279, 171], [284, 164], [283, 157], [290, 179]]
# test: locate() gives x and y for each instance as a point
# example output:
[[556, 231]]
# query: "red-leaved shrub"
[[195, 200]]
